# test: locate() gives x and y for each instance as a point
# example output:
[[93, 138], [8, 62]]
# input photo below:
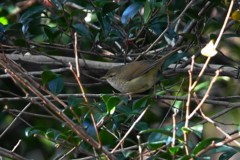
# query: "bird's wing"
[[138, 68]]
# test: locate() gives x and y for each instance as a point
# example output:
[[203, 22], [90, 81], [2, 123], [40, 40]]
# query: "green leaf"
[[141, 103], [147, 12], [30, 131], [52, 134], [185, 157], [156, 140], [198, 130], [105, 98], [125, 110], [158, 137], [37, 9], [142, 126], [107, 138], [200, 86], [174, 150], [56, 85], [3, 20], [112, 104], [47, 76], [82, 30], [222, 149], [228, 154], [203, 144], [187, 130], [51, 33]]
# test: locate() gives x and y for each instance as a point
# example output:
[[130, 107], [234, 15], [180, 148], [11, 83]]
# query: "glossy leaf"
[[174, 150], [31, 12], [198, 130], [228, 154], [155, 140], [130, 12], [222, 149], [141, 103], [203, 144], [112, 104], [56, 85], [52, 134], [30, 131], [158, 137]]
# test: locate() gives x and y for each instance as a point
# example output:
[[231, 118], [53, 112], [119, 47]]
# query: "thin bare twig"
[[218, 144], [188, 106], [76, 54], [7, 153], [217, 127], [65, 155], [35, 88], [15, 119], [205, 95], [224, 24], [130, 129], [87, 102]]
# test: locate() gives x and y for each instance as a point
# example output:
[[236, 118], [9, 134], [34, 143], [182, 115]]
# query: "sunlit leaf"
[[112, 104], [236, 15], [200, 86], [198, 130], [3, 20], [209, 50], [174, 150]]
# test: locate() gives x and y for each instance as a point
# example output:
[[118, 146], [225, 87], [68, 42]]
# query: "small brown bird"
[[135, 77]]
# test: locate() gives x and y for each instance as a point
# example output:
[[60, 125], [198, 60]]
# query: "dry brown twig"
[[33, 87], [210, 52]]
